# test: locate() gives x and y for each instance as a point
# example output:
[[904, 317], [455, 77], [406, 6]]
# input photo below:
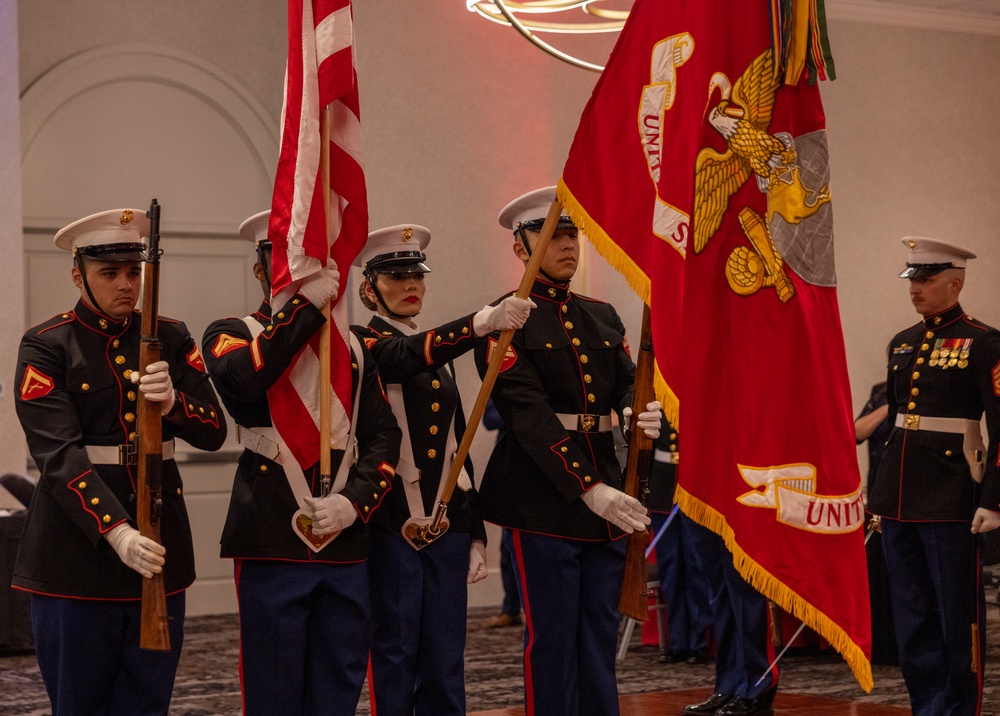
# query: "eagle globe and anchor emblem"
[[784, 167]]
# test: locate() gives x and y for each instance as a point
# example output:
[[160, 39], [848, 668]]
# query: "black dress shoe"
[[711, 705], [674, 656], [740, 706], [697, 656]]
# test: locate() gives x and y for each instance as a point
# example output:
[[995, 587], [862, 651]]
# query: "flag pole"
[[874, 526], [324, 336], [424, 535]]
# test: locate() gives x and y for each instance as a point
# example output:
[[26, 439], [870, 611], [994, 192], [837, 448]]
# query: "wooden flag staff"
[[422, 535], [324, 336]]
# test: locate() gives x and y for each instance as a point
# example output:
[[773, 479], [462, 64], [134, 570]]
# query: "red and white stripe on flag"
[[320, 72]]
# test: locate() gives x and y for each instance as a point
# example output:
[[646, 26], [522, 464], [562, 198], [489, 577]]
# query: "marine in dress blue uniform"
[[304, 615], [553, 479], [678, 554], [743, 646], [943, 376], [420, 597], [80, 556]]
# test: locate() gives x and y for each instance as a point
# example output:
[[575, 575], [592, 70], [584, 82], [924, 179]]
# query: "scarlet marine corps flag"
[[320, 72], [703, 177]]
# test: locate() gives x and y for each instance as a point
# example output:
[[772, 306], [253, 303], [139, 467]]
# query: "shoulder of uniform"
[[160, 318], [365, 331], [58, 320], [229, 325], [591, 299], [917, 328], [978, 324]]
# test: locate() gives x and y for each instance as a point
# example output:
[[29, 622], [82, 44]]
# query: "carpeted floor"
[[208, 682]]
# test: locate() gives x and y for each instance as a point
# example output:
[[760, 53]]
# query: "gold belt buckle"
[[911, 422], [585, 423], [126, 454]]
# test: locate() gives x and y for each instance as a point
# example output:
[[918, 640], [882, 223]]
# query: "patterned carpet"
[[208, 684]]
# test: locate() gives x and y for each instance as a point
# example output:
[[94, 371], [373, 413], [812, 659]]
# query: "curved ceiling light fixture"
[[531, 17]]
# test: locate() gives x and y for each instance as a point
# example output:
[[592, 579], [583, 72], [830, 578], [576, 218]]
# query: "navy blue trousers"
[[304, 634], [742, 631], [89, 656], [936, 593], [569, 590], [511, 600], [683, 584], [419, 605]]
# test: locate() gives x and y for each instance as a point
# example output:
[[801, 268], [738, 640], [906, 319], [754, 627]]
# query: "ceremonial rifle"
[[634, 599], [153, 634]]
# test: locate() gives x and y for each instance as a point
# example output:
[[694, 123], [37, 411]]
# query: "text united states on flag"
[[320, 72], [704, 178]]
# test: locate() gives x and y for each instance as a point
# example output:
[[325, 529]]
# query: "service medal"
[[952, 362], [963, 363]]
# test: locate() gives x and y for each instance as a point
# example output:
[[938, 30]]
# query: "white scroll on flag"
[[320, 72]]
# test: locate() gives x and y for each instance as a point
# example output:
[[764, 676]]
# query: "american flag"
[[320, 72]]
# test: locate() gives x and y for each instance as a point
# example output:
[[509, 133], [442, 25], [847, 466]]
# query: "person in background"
[[938, 485], [872, 426], [81, 556], [420, 590], [510, 608], [305, 611], [682, 583]]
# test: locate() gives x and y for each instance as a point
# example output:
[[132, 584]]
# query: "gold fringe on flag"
[[634, 276], [765, 583]]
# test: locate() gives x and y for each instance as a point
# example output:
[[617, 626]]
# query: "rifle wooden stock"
[[493, 369], [154, 634], [634, 602]]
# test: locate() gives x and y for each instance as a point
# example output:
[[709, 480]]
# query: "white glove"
[[322, 286], [510, 313], [330, 514], [477, 562], [616, 507], [649, 419], [985, 520], [156, 385], [140, 553]]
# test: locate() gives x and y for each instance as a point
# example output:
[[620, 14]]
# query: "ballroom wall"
[[458, 117]]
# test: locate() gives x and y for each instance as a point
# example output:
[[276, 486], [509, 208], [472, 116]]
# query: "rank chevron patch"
[[35, 384], [227, 343], [509, 358], [195, 360]]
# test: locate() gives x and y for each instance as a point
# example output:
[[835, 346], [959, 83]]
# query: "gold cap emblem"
[[911, 245], [126, 217], [407, 233]]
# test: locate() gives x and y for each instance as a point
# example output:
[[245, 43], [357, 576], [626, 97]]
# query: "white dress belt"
[[909, 421], [667, 456], [122, 454], [585, 423], [262, 441]]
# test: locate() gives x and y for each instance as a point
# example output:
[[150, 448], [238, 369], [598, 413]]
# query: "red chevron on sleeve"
[[195, 360], [35, 384], [509, 358], [226, 343]]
